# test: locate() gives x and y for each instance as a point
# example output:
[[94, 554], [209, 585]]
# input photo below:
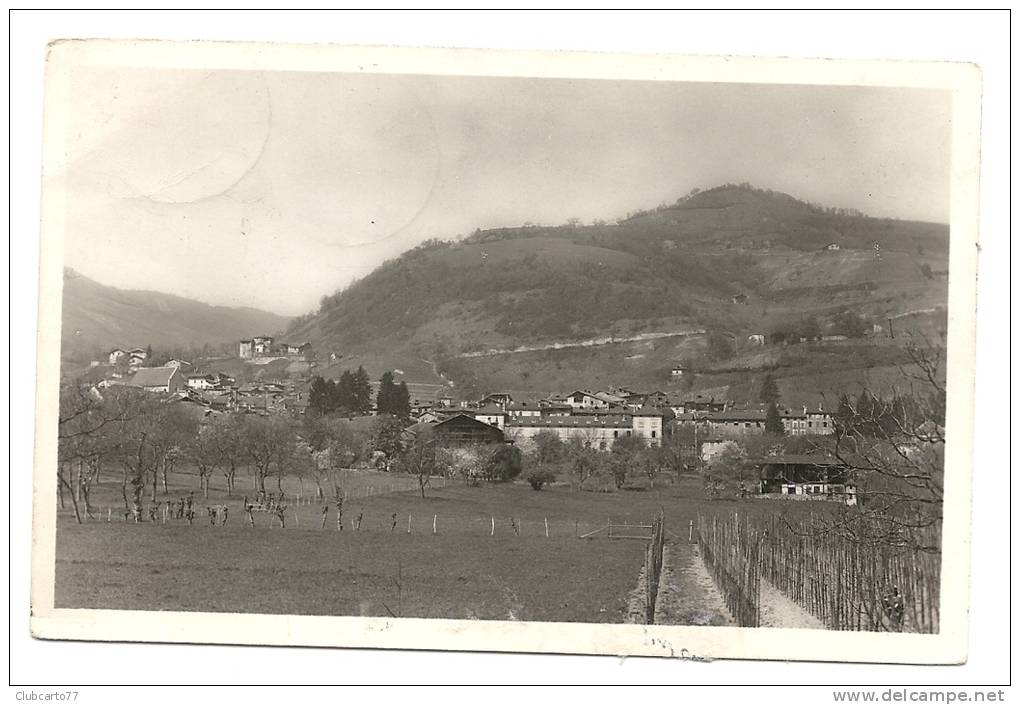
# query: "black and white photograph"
[[473, 351]]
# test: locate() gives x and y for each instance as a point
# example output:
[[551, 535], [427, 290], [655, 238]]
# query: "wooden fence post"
[[492, 530], [434, 518], [546, 520], [408, 523]]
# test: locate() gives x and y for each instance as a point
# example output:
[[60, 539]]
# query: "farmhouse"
[[201, 382], [246, 350], [678, 371], [297, 349], [459, 429], [262, 345], [175, 362], [490, 414], [116, 355], [831, 247], [805, 477], [756, 339], [158, 379], [580, 399]]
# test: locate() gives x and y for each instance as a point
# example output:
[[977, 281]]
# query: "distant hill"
[[734, 260], [96, 318]]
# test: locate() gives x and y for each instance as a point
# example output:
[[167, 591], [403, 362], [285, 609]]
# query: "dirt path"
[[687, 594], [777, 610]]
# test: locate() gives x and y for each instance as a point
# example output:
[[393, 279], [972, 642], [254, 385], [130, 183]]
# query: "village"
[[699, 426]]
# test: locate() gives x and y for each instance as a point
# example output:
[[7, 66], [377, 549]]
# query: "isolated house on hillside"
[[158, 379], [756, 339], [297, 349], [116, 355], [245, 350], [831, 247], [262, 345]]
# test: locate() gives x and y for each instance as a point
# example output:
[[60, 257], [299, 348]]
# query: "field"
[[474, 567]]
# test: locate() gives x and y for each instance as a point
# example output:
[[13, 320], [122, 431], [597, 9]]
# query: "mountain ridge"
[[734, 260], [97, 317]]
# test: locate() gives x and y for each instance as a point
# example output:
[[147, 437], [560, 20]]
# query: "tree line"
[[351, 395]]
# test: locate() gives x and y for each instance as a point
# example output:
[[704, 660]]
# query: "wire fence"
[[730, 549], [308, 513], [853, 586], [653, 568], [847, 585]]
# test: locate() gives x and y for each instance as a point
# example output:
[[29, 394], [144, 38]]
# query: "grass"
[[461, 572]]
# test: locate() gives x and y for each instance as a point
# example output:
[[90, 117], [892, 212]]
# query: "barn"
[[805, 476], [460, 429]]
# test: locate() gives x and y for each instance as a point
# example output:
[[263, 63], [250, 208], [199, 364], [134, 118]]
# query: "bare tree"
[[266, 440], [204, 451], [892, 448], [227, 435], [419, 458], [87, 422]]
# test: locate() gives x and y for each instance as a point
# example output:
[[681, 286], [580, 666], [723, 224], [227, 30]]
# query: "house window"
[[615, 434], [653, 434]]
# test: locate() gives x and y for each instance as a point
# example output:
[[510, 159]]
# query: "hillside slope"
[[96, 318], [734, 259]]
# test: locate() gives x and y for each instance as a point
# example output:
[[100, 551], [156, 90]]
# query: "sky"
[[273, 189]]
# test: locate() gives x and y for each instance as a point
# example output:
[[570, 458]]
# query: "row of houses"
[[601, 418]]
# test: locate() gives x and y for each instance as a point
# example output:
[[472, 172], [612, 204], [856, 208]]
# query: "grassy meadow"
[[466, 570]]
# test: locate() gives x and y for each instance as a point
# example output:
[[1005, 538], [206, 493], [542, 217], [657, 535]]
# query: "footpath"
[[688, 596]]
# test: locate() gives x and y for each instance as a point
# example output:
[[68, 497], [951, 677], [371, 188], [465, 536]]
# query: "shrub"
[[503, 465], [540, 478]]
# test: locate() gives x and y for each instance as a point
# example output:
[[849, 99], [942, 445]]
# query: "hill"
[[96, 318], [733, 261]]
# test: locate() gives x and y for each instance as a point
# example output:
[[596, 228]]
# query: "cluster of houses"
[[265, 346], [599, 419], [602, 417], [209, 392], [133, 358]]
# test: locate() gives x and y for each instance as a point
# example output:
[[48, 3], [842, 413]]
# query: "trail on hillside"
[[590, 342]]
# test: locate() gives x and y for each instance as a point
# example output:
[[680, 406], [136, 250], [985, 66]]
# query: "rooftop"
[[577, 421]]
